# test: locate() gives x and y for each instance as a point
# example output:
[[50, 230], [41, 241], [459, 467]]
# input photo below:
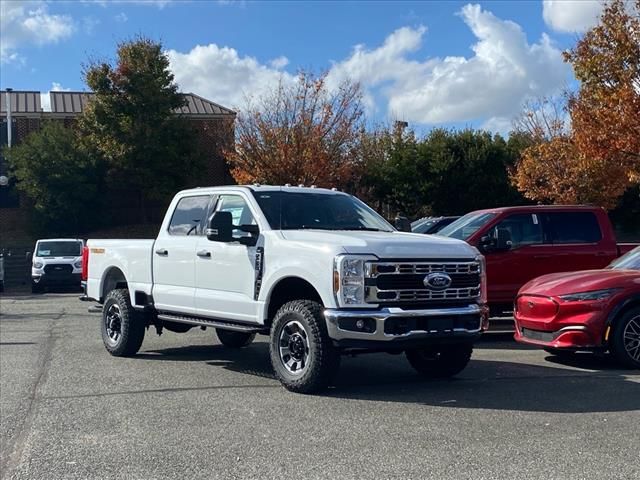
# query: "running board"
[[207, 322]]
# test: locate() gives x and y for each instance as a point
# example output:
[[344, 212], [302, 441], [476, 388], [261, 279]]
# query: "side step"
[[208, 322]]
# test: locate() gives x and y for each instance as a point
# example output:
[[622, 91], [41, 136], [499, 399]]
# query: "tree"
[[302, 132], [447, 173], [61, 180], [597, 158], [605, 112], [132, 122]]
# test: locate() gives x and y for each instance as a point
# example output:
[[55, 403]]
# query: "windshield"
[[59, 249], [466, 226], [294, 211], [629, 261]]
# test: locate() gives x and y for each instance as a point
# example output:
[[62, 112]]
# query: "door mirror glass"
[[402, 223], [220, 227]]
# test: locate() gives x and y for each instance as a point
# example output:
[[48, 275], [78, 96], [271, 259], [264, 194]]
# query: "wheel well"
[[626, 306], [288, 289], [113, 279]]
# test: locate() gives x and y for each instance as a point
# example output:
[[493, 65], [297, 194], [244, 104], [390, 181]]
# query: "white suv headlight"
[[348, 279], [37, 264], [77, 264]]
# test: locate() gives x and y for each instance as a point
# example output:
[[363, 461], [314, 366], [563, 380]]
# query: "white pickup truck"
[[317, 270]]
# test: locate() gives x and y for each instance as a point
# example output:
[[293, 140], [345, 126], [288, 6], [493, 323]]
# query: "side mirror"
[[402, 223], [503, 240], [487, 243], [220, 227], [28, 256]]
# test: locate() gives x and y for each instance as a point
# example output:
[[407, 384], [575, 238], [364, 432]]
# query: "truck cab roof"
[[263, 188]]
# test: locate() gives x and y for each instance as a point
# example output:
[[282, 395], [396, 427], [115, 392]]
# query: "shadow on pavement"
[[485, 384]]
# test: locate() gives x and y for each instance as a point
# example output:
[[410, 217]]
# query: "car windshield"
[[466, 226], [629, 261], [322, 211], [59, 249]]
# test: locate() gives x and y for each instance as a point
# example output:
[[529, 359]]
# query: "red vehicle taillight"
[[85, 264]]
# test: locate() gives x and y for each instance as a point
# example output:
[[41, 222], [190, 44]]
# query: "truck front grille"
[[398, 283]]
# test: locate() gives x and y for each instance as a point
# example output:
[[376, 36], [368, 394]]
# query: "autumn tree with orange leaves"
[[597, 158], [301, 133]]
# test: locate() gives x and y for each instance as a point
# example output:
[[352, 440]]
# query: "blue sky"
[[434, 63]]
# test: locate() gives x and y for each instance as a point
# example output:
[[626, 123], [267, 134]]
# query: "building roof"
[[22, 102], [70, 104]]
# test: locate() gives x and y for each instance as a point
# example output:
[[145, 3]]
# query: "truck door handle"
[[163, 252], [204, 254]]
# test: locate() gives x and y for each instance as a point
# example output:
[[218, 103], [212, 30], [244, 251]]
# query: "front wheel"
[[625, 339], [302, 355], [232, 339], [440, 362], [122, 326]]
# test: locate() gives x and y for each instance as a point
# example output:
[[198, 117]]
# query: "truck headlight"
[[348, 279], [483, 277], [77, 264], [593, 295], [37, 264]]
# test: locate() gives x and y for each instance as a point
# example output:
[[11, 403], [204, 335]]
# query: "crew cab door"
[[225, 271], [508, 270], [174, 255]]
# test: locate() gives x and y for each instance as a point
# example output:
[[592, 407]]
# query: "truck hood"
[[583, 281], [385, 244]]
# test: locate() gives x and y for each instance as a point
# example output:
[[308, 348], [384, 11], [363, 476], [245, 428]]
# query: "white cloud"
[[152, 3], [89, 24], [488, 86], [279, 62], [222, 75], [571, 15], [504, 71], [29, 22], [121, 17], [45, 98]]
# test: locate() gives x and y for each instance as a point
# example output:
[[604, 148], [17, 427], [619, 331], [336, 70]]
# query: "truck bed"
[[131, 256]]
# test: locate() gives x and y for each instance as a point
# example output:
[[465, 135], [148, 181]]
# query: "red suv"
[[594, 310]]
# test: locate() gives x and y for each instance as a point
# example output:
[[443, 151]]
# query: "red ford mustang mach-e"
[[595, 310]]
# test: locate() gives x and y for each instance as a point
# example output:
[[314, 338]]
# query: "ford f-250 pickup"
[[317, 270]]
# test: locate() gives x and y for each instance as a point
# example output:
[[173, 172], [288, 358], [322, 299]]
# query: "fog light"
[[360, 324]]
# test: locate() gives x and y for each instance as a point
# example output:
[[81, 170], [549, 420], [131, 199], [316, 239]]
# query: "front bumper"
[[56, 279], [394, 326]]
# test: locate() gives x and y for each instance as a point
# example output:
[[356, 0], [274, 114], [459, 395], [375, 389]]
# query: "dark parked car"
[[431, 225]]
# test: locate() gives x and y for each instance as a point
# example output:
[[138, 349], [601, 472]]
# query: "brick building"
[[213, 122]]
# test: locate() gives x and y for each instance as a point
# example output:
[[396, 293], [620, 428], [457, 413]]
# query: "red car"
[[597, 310]]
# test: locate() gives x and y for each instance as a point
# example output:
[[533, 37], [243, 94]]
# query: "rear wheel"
[[122, 326], [234, 339], [440, 362], [302, 355], [625, 339]]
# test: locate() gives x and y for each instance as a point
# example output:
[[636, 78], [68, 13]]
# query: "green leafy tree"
[[61, 180], [132, 123], [447, 172]]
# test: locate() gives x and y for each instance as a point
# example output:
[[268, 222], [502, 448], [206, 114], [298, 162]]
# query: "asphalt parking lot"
[[186, 407]]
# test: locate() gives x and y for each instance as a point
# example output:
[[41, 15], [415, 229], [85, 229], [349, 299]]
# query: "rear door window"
[[574, 227], [188, 215], [524, 228]]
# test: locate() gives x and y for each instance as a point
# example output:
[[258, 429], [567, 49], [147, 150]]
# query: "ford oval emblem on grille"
[[437, 281]]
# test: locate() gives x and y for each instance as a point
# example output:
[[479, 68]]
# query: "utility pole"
[[9, 90]]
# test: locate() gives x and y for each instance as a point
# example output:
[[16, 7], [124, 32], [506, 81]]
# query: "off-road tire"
[[232, 339], [132, 324], [440, 361], [323, 359], [627, 351]]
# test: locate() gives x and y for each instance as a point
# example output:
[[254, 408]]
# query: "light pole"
[[9, 90]]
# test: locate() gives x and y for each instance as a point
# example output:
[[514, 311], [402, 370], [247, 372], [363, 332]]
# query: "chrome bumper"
[[334, 316]]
